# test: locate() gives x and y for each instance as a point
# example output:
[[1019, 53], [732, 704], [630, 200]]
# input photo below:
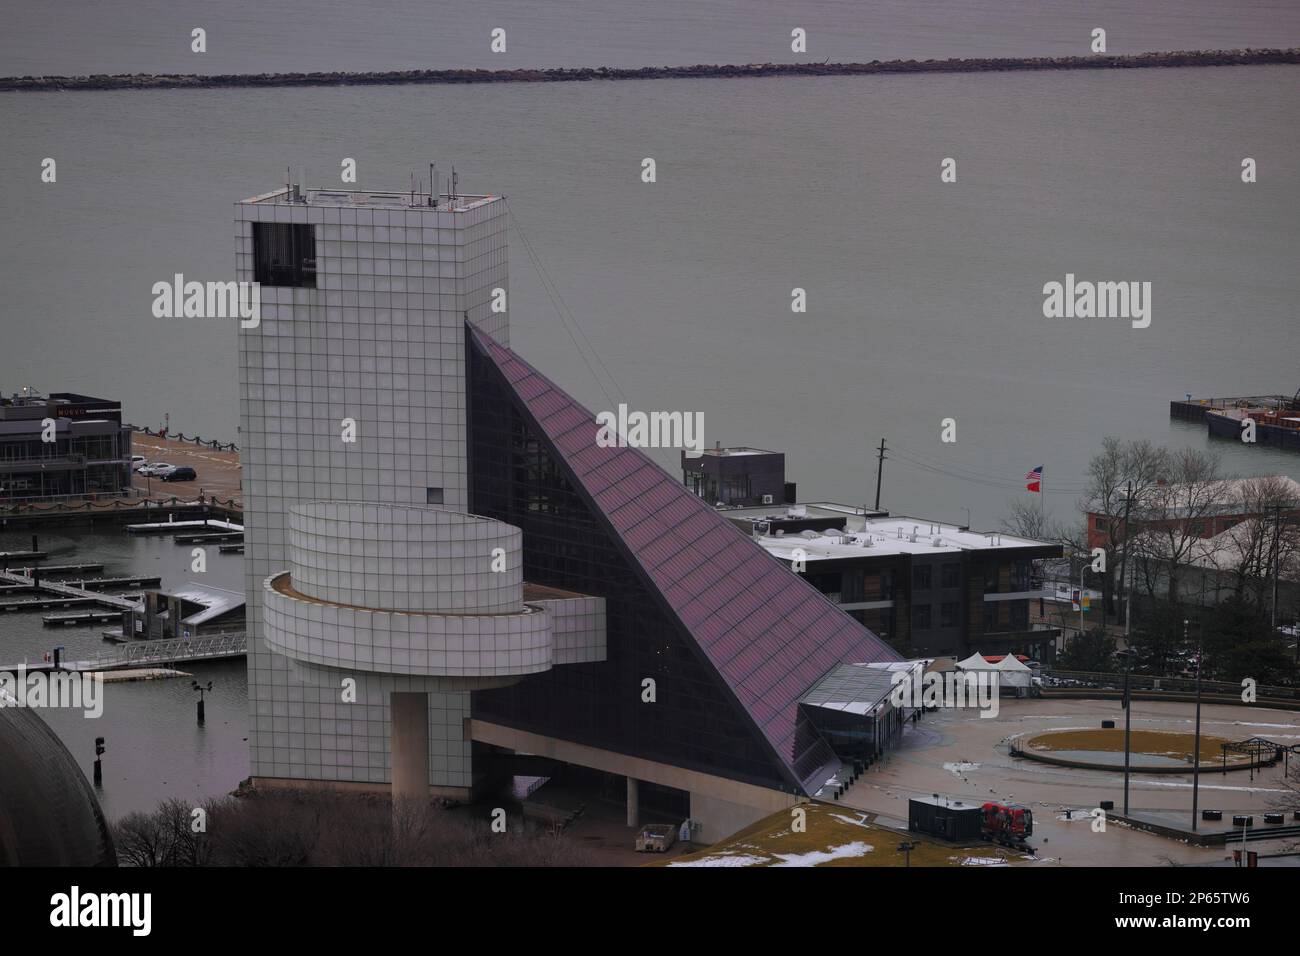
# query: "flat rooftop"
[[813, 509], [737, 451], [896, 534], [374, 199]]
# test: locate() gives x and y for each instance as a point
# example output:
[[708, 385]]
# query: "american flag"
[[1035, 479]]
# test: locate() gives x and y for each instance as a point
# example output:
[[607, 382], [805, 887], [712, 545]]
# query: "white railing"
[[166, 652]]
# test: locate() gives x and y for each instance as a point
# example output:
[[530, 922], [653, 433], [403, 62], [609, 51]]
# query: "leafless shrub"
[[294, 828]]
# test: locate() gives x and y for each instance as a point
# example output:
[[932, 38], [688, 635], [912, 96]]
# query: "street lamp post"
[[1196, 753], [1128, 720]]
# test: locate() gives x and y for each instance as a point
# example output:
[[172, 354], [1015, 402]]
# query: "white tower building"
[[372, 608]]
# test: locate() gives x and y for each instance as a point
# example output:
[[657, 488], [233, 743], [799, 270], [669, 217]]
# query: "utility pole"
[[880, 469], [1123, 561], [1277, 561]]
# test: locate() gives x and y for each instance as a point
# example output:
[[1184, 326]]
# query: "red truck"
[[1007, 823]]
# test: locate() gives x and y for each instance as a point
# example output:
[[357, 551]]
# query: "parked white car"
[[157, 469], [138, 462]]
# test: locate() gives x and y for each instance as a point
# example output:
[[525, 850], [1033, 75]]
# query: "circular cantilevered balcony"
[[404, 590]]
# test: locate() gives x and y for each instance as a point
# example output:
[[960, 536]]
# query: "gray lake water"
[[254, 36], [924, 299], [154, 746]]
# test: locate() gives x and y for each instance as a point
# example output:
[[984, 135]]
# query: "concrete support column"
[[633, 802], [409, 744]]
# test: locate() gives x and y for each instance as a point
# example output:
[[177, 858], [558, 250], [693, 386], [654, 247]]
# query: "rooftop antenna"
[[433, 184], [455, 182], [288, 180]]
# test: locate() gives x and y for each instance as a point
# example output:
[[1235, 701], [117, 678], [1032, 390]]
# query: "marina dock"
[[80, 617], [60, 595], [7, 556], [212, 525]]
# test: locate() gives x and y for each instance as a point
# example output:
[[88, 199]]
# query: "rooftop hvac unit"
[[938, 542], [767, 499]]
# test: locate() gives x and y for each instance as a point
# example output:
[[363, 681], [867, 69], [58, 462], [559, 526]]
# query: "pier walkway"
[[134, 654], [175, 651]]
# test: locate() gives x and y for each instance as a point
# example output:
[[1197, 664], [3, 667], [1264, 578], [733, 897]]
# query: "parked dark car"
[[180, 474]]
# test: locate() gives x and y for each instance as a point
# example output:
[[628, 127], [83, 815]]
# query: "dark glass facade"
[[693, 722]]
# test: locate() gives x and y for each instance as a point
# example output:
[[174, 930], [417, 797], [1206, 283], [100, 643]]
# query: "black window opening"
[[921, 577], [948, 614], [951, 575], [284, 254], [921, 617], [433, 496]]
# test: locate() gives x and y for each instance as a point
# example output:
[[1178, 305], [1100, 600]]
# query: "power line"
[[964, 471], [1003, 484], [567, 319]]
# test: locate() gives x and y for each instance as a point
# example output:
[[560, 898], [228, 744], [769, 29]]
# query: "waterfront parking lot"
[[218, 471]]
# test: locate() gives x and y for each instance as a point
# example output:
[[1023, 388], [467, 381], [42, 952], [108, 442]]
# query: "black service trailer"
[[944, 817]]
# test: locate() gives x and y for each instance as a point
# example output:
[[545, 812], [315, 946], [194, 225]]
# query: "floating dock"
[[226, 537], [60, 569], [104, 584], [80, 617], [7, 556], [181, 527]]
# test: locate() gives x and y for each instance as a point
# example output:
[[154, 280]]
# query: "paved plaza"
[[959, 754]]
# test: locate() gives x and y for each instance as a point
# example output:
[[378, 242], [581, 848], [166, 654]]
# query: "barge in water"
[[1276, 417]]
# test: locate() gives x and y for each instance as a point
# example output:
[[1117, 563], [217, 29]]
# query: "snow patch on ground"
[[861, 821], [981, 860], [963, 766], [723, 860], [814, 857]]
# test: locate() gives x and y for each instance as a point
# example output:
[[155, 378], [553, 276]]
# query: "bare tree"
[[1265, 540], [1027, 520], [299, 828], [1176, 514], [169, 836], [1119, 466]]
